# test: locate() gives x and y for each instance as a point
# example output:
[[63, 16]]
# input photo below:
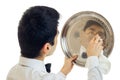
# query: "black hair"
[[37, 26], [90, 23]]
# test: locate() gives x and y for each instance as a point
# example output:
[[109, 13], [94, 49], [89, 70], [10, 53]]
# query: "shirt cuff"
[[61, 75], [92, 62]]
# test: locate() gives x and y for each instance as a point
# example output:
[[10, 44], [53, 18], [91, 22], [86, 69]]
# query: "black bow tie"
[[84, 55], [48, 67]]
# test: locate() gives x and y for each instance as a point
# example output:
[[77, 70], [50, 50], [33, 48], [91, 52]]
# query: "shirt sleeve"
[[105, 64], [94, 72], [52, 76]]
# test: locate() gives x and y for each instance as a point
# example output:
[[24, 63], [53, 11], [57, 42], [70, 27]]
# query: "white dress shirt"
[[105, 64], [32, 69]]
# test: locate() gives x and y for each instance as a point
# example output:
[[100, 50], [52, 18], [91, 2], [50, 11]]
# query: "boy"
[[37, 35]]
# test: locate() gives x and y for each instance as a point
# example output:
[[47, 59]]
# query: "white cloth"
[[94, 71], [32, 69], [105, 64]]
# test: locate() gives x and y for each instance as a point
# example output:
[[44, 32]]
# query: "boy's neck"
[[40, 58]]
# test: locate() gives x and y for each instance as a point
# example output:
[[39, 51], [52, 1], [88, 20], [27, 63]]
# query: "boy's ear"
[[46, 48]]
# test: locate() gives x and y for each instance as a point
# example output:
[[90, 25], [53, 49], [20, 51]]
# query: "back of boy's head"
[[37, 26]]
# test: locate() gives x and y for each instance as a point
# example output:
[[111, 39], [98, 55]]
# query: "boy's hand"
[[68, 65], [95, 46]]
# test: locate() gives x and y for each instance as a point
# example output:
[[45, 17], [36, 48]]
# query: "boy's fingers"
[[95, 38], [74, 57], [100, 42], [101, 47]]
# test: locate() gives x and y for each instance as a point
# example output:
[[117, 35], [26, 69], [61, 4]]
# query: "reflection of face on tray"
[[90, 29]]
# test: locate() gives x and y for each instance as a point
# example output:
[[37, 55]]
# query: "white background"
[[12, 10]]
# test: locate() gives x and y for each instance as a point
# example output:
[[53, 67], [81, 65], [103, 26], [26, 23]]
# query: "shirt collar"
[[33, 63], [82, 49]]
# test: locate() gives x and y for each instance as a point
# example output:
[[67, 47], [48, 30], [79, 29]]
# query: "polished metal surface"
[[72, 36]]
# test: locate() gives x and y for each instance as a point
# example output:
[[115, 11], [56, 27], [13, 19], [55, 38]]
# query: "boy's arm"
[[93, 50], [94, 72]]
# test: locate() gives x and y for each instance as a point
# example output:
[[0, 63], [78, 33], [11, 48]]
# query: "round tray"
[[73, 40]]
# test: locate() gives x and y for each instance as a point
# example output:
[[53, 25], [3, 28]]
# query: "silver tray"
[[73, 40]]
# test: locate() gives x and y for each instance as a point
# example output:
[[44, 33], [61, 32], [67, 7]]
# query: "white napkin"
[[105, 64]]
